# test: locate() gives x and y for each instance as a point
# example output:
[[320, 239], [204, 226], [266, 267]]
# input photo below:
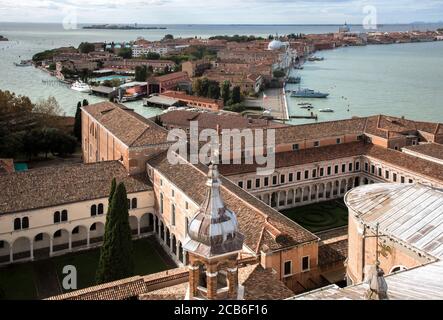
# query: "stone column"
[[138, 227], [51, 245], [32, 249], [194, 273], [11, 253], [88, 239], [233, 281], [211, 280], [70, 241]]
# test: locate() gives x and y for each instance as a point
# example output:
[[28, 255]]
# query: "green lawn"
[[321, 216], [17, 281]]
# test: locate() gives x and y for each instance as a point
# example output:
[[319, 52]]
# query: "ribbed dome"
[[275, 45], [214, 228]]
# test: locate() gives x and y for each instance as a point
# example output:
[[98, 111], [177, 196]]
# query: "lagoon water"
[[393, 79], [399, 80]]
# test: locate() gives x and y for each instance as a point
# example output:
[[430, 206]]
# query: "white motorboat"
[[81, 86], [326, 110]]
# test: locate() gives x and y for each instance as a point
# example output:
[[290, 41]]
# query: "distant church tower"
[[213, 243]]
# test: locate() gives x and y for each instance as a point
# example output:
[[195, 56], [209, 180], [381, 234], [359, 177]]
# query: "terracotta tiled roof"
[[171, 76], [258, 283], [262, 284], [128, 126], [433, 150], [252, 214], [401, 159], [180, 95], [118, 290], [58, 185], [313, 155], [175, 292], [332, 253], [300, 157], [319, 130], [211, 120]]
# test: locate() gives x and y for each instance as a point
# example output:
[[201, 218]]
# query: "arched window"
[[398, 269], [100, 209], [76, 230], [93, 227], [129, 204], [58, 234], [57, 217], [93, 210], [65, 215], [17, 224], [134, 203], [39, 237], [25, 223]]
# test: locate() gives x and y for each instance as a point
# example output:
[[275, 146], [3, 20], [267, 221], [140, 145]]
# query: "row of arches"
[[169, 240], [309, 193], [45, 244]]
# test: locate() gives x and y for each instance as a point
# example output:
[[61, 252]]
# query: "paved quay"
[[276, 103]]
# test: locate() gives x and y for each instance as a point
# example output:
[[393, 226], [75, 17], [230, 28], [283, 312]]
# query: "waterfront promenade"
[[276, 103]]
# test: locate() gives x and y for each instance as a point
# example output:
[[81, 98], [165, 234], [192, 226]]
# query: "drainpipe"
[[363, 247]]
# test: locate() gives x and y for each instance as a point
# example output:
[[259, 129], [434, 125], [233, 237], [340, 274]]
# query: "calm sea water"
[[399, 79], [396, 79]]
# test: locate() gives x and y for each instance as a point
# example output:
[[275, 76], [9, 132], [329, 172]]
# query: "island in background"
[[122, 27], [3, 38]]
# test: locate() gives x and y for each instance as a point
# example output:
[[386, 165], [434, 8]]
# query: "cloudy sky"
[[222, 11]]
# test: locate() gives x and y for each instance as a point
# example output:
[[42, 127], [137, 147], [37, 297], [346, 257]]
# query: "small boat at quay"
[[295, 80], [315, 59], [81, 86], [23, 63], [326, 110], [308, 93]]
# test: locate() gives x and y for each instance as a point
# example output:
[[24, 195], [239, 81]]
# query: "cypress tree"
[[78, 122], [111, 194], [116, 256]]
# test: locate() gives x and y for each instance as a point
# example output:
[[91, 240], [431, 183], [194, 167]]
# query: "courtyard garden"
[[320, 216], [39, 279]]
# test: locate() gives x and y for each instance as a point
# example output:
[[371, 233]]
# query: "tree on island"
[[86, 47], [116, 255], [226, 91], [125, 53], [214, 90], [152, 56], [141, 73], [78, 122], [168, 37], [279, 73], [236, 95]]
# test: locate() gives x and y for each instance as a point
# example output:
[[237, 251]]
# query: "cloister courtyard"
[[43, 278], [320, 216]]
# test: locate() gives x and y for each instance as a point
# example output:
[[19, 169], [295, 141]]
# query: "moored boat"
[[81, 86], [23, 63], [326, 110], [294, 80], [308, 93]]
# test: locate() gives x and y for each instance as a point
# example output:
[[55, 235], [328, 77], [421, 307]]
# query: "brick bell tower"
[[213, 243]]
